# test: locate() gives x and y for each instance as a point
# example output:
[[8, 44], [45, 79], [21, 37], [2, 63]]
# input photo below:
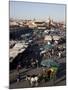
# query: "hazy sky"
[[27, 10]]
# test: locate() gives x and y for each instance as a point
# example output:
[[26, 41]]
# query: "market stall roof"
[[48, 38], [48, 46], [62, 46], [18, 48], [49, 63], [56, 37]]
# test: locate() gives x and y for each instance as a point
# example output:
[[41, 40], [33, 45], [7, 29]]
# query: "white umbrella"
[[48, 38], [56, 37]]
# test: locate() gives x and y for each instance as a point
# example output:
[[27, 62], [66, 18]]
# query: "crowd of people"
[[34, 63]]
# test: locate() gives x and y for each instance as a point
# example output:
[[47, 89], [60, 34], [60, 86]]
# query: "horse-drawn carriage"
[[47, 72]]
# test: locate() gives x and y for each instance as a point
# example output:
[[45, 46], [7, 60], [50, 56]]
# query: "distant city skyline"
[[41, 11]]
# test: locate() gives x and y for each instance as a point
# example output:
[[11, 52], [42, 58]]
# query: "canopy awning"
[[49, 63], [56, 37], [48, 38]]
